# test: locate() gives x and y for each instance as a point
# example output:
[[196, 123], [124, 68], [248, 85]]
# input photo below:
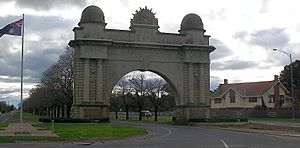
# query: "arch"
[[173, 87], [103, 56]]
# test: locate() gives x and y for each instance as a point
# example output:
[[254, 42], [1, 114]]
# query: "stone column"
[[86, 81], [190, 80], [99, 81], [202, 83]]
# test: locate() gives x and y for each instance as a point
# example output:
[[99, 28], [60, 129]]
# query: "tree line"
[[5, 107], [53, 95]]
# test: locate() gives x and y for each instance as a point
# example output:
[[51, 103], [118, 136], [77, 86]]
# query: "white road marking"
[[226, 146], [168, 134]]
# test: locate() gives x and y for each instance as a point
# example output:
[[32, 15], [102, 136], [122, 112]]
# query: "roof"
[[247, 89]]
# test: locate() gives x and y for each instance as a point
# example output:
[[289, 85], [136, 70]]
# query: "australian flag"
[[14, 28]]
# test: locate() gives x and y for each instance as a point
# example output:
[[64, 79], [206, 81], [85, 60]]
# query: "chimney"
[[225, 81], [276, 78]]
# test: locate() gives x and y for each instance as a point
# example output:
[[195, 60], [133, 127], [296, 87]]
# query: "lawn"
[[71, 131], [80, 131], [27, 117], [3, 126], [297, 120]]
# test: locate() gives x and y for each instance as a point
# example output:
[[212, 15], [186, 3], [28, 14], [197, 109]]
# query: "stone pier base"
[[185, 114], [90, 112]]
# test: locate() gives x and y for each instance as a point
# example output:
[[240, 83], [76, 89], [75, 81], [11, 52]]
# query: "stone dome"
[[92, 14], [191, 21]]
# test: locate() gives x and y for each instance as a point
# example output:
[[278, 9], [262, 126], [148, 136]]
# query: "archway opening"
[[143, 95]]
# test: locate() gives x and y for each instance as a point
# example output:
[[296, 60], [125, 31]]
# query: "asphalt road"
[[4, 117], [168, 136]]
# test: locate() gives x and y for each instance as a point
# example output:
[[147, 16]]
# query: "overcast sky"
[[244, 33]]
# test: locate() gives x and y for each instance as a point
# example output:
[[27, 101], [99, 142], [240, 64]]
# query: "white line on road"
[[226, 146]]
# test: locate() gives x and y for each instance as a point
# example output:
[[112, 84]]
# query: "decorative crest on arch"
[[144, 16]]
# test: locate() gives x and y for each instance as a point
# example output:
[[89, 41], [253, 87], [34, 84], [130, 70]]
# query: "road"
[[168, 136], [4, 117]]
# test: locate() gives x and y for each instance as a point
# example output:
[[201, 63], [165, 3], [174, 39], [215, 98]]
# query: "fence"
[[163, 117]]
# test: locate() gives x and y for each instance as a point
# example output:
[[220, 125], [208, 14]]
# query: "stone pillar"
[[86, 81], [190, 82], [99, 92], [202, 78]]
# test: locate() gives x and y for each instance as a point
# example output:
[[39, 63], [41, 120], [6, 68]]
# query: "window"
[[217, 100], [252, 99], [271, 99], [232, 96], [281, 99]]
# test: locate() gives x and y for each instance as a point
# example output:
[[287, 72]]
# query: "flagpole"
[[22, 57]]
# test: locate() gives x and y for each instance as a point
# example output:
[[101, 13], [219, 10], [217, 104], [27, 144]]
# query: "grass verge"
[[27, 117], [79, 131], [3, 126], [82, 131]]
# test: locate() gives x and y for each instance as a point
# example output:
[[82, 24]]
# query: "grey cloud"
[[49, 4], [233, 65], [240, 35], [270, 38], [221, 49], [214, 82], [39, 55]]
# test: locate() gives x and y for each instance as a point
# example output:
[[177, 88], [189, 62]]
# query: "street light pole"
[[292, 88]]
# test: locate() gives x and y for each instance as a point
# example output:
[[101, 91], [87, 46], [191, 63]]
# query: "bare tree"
[[124, 86], [158, 92], [115, 104], [55, 90], [139, 87]]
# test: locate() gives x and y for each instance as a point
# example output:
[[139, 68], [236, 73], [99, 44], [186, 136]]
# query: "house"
[[267, 94]]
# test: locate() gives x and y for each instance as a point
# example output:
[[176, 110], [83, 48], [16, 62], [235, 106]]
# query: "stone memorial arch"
[[103, 56]]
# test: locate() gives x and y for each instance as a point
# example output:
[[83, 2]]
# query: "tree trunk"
[[63, 111], [116, 112], [155, 119], [140, 115], [69, 110], [127, 116], [48, 112]]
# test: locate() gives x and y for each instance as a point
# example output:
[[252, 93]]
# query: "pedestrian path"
[[278, 123], [25, 129]]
